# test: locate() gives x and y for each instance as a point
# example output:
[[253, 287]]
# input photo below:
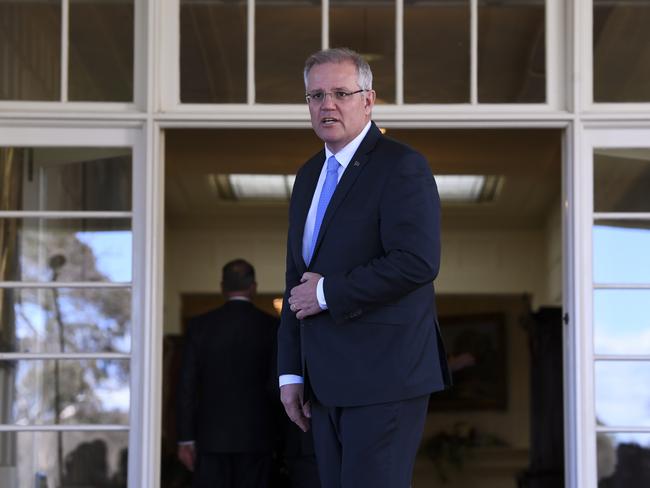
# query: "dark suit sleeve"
[[409, 228], [188, 387], [289, 354]]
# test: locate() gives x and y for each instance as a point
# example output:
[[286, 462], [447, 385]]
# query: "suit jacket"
[[224, 402], [379, 251]]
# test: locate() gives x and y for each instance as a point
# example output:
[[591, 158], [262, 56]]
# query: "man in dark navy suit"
[[359, 345], [226, 421]]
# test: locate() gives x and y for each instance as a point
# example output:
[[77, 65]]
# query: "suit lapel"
[[303, 201], [352, 172]]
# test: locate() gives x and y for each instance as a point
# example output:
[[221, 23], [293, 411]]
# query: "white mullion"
[[620, 357], [473, 57], [53, 214], [627, 429], [325, 24], [62, 284], [622, 215], [399, 52], [64, 428], [17, 356], [65, 46], [250, 54], [621, 286]]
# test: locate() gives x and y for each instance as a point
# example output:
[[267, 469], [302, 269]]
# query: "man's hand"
[[291, 397], [187, 455], [303, 301]]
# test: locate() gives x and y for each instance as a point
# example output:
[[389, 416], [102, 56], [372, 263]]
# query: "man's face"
[[337, 122]]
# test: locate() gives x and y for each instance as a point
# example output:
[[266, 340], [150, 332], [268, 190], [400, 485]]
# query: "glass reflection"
[[622, 180], [65, 320], [436, 52], [512, 51], [66, 179], [622, 321], [213, 51], [106, 27], [620, 251], [66, 391], [368, 28], [86, 459], [623, 460], [30, 53], [622, 398], [51, 250], [621, 43], [285, 34]]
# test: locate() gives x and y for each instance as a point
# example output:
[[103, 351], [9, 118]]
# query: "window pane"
[[65, 179], [213, 51], [65, 320], [511, 51], [621, 251], [30, 50], [622, 180], [623, 460], [622, 321], [621, 51], [369, 29], [622, 398], [88, 459], [436, 52], [279, 57], [51, 250], [101, 50], [66, 391]]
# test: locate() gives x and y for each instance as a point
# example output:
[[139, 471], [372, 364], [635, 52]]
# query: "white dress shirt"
[[344, 156]]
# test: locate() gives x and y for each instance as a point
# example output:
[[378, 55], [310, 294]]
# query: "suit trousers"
[[232, 470], [368, 446]]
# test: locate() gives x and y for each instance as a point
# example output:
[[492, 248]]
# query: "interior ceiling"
[[529, 161]]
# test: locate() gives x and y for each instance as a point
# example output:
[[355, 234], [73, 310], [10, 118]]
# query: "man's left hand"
[[303, 301]]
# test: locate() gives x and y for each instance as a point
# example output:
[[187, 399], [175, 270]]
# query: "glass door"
[[617, 306], [67, 334]]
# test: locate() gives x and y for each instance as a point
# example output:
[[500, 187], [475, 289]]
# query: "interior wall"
[[473, 261]]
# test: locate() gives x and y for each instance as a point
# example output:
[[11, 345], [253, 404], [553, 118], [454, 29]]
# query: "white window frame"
[[144, 385], [169, 57], [593, 135]]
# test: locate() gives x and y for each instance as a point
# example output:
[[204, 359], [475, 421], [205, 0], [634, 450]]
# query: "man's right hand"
[[291, 396], [187, 455]]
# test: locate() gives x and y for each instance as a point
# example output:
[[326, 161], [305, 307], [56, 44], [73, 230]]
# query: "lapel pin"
[[357, 163]]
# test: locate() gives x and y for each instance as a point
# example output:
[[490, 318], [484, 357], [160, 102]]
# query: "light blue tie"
[[326, 193]]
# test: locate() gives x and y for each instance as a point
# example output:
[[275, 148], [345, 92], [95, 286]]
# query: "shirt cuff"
[[320, 294], [290, 379]]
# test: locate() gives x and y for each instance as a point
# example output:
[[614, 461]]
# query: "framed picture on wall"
[[477, 354]]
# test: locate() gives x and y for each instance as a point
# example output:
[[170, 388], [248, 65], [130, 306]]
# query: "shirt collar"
[[239, 299], [345, 155]]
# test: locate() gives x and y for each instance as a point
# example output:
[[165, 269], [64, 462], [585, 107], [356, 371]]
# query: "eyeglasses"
[[318, 97]]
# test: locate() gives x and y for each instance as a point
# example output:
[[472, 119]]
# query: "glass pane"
[[101, 50], [622, 395], [285, 34], [622, 321], [436, 51], [65, 320], [511, 51], [622, 180], [369, 29], [30, 50], [213, 51], [621, 251], [623, 460], [65, 179], [51, 250], [66, 391], [621, 51], [85, 459]]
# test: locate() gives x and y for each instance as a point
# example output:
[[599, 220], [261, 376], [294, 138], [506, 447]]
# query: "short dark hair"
[[237, 275]]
